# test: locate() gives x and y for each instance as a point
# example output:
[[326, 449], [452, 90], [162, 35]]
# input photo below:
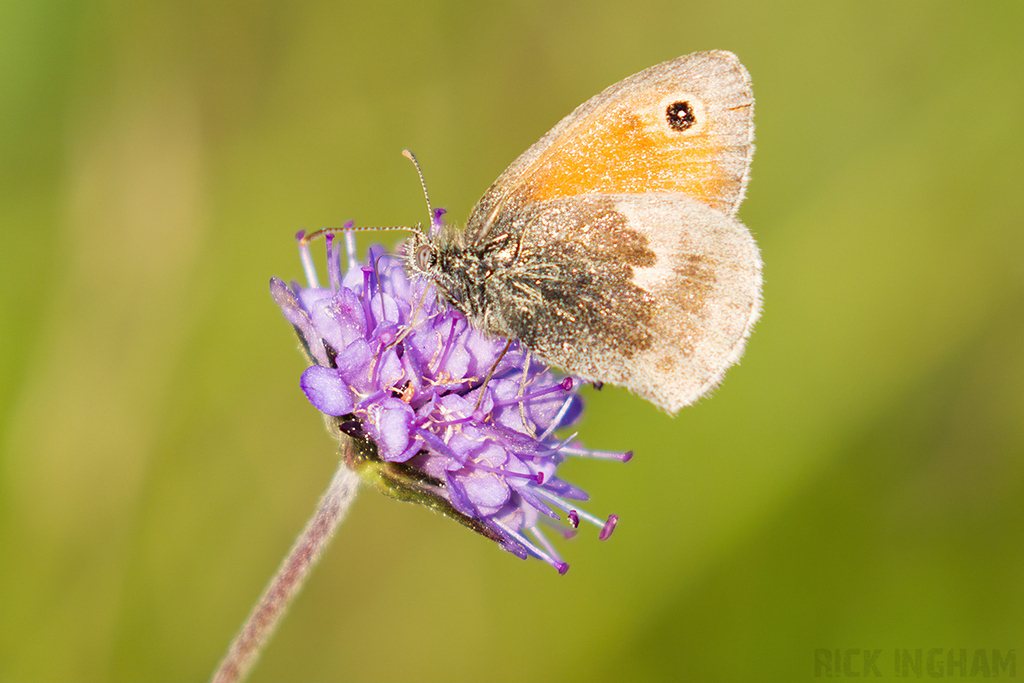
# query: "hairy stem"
[[290, 576]]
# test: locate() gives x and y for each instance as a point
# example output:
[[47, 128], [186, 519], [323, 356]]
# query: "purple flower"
[[438, 413]]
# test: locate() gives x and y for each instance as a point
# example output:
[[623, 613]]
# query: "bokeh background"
[[856, 483]]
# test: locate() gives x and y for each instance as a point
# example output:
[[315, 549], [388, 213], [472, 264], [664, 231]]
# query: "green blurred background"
[[856, 483]]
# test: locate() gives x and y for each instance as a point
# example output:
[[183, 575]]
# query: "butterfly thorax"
[[462, 272]]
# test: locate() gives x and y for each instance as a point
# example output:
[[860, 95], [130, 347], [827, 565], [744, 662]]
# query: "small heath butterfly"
[[611, 247]]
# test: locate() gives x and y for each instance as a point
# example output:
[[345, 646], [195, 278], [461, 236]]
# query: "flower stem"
[[290, 576]]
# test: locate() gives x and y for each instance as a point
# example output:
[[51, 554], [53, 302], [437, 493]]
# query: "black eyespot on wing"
[[680, 116]]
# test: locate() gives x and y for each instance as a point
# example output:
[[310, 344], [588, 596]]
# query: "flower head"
[[439, 413]]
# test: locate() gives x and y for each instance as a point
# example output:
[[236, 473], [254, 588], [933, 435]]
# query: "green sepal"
[[398, 479]]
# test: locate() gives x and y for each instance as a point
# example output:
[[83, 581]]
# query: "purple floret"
[[439, 413]]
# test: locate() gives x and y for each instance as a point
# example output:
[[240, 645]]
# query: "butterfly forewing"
[[683, 126]]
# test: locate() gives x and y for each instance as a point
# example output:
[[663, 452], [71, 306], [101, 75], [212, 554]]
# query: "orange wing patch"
[[681, 127], [630, 153]]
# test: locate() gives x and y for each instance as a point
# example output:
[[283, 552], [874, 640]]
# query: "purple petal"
[[486, 491], [326, 391], [352, 362], [388, 423]]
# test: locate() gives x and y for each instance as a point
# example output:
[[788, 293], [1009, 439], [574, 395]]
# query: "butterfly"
[[611, 247]]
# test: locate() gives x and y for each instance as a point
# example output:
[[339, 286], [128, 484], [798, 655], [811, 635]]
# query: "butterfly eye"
[[680, 116], [424, 257]]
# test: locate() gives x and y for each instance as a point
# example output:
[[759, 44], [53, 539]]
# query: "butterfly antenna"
[[430, 211], [306, 239]]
